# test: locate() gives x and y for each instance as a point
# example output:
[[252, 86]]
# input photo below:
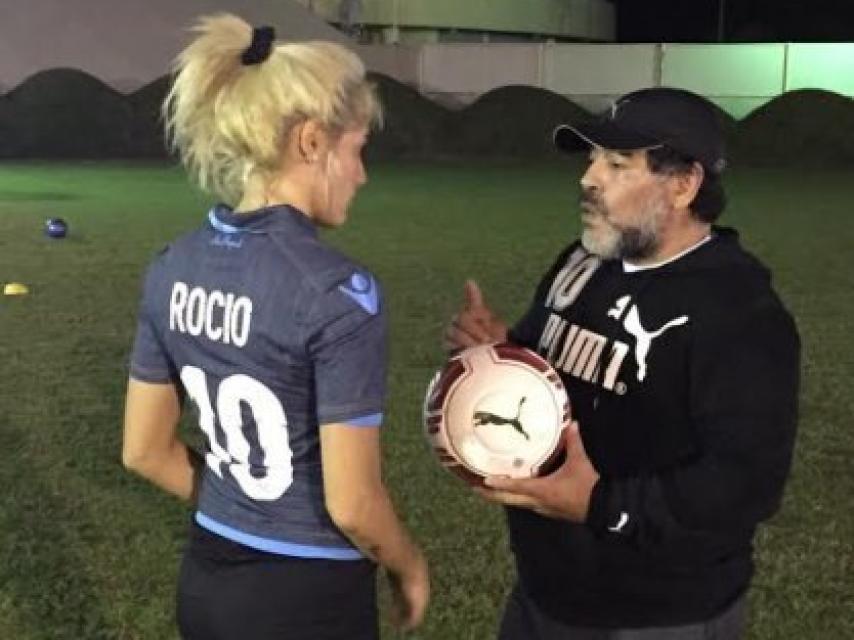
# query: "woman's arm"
[[358, 503], [151, 446]]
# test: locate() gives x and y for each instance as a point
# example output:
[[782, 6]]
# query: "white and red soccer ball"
[[496, 410]]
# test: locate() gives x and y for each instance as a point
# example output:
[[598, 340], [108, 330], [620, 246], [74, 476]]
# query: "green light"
[[821, 66]]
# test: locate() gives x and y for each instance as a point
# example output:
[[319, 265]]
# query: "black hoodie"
[[684, 380]]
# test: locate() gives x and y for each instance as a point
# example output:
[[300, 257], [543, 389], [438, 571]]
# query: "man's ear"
[[684, 186], [311, 141]]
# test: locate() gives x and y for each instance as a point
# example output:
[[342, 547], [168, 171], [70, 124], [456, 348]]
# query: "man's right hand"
[[475, 323]]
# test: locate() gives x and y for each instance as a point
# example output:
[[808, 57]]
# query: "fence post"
[[786, 67]]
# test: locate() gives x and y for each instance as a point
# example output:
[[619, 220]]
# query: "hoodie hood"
[[723, 253]]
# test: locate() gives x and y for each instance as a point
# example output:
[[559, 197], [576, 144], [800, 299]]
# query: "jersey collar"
[[266, 220]]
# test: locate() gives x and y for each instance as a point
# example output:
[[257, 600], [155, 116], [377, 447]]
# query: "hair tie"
[[260, 47]]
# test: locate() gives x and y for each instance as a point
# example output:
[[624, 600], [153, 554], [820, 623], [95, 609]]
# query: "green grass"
[[88, 551]]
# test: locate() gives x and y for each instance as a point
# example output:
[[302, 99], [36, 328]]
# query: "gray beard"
[[633, 243], [637, 242]]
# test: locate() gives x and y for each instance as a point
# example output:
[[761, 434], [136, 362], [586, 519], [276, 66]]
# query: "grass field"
[[88, 551]]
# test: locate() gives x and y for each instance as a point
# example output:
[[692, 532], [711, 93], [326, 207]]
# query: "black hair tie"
[[260, 47]]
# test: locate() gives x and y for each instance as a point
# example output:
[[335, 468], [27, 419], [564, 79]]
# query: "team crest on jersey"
[[226, 235], [363, 290], [227, 241]]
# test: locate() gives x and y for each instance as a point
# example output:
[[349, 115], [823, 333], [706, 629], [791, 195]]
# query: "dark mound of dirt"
[[413, 125], [146, 135], [511, 121], [805, 128], [64, 113]]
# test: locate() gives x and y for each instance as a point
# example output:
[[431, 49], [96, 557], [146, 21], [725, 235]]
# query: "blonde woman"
[[280, 343]]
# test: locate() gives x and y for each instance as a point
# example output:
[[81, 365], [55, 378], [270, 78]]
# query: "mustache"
[[590, 202]]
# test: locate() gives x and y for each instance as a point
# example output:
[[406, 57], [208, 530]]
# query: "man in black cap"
[[682, 368]]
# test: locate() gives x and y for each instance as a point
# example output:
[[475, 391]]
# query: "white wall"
[[398, 61], [821, 66], [128, 43], [125, 43], [462, 72], [592, 75], [738, 77]]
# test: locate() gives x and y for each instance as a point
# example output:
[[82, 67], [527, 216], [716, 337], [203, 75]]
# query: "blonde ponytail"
[[229, 120]]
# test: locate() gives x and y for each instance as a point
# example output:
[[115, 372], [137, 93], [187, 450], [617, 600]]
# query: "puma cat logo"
[[482, 418], [643, 338]]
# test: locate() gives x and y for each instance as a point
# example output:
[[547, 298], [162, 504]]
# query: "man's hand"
[[475, 324], [563, 494]]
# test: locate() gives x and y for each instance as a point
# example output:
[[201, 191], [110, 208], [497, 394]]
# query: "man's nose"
[[589, 181]]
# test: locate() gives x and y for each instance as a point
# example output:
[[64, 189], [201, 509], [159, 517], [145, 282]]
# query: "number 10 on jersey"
[[272, 424]]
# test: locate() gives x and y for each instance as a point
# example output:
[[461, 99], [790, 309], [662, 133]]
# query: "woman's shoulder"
[[323, 267]]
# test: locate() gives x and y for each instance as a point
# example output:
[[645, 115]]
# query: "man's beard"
[[635, 241]]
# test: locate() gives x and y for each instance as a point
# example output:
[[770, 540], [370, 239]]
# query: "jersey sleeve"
[[346, 341], [149, 361]]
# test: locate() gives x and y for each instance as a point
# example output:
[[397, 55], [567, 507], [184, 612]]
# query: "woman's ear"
[[311, 141]]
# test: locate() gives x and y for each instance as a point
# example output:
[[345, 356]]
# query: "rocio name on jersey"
[[221, 316]]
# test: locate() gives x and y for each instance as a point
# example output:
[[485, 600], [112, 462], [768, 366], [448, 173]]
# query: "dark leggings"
[[228, 592]]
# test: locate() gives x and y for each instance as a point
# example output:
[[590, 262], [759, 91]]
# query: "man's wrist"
[[599, 508]]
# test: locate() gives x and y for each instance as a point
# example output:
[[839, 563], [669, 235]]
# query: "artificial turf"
[[89, 551]]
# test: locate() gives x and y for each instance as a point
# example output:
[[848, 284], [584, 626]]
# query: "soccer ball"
[[55, 228], [496, 410]]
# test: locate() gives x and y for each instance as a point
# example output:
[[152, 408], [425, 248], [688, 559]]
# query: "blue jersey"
[[270, 333]]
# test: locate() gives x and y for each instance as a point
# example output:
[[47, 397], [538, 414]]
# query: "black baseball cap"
[[661, 116]]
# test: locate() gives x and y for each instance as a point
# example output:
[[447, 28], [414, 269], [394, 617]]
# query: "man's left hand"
[[563, 494]]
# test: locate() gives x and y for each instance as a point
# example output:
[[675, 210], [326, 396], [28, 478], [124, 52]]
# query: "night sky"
[[746, 20]]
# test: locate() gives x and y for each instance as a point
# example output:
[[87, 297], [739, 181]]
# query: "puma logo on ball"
[[482, 418]]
